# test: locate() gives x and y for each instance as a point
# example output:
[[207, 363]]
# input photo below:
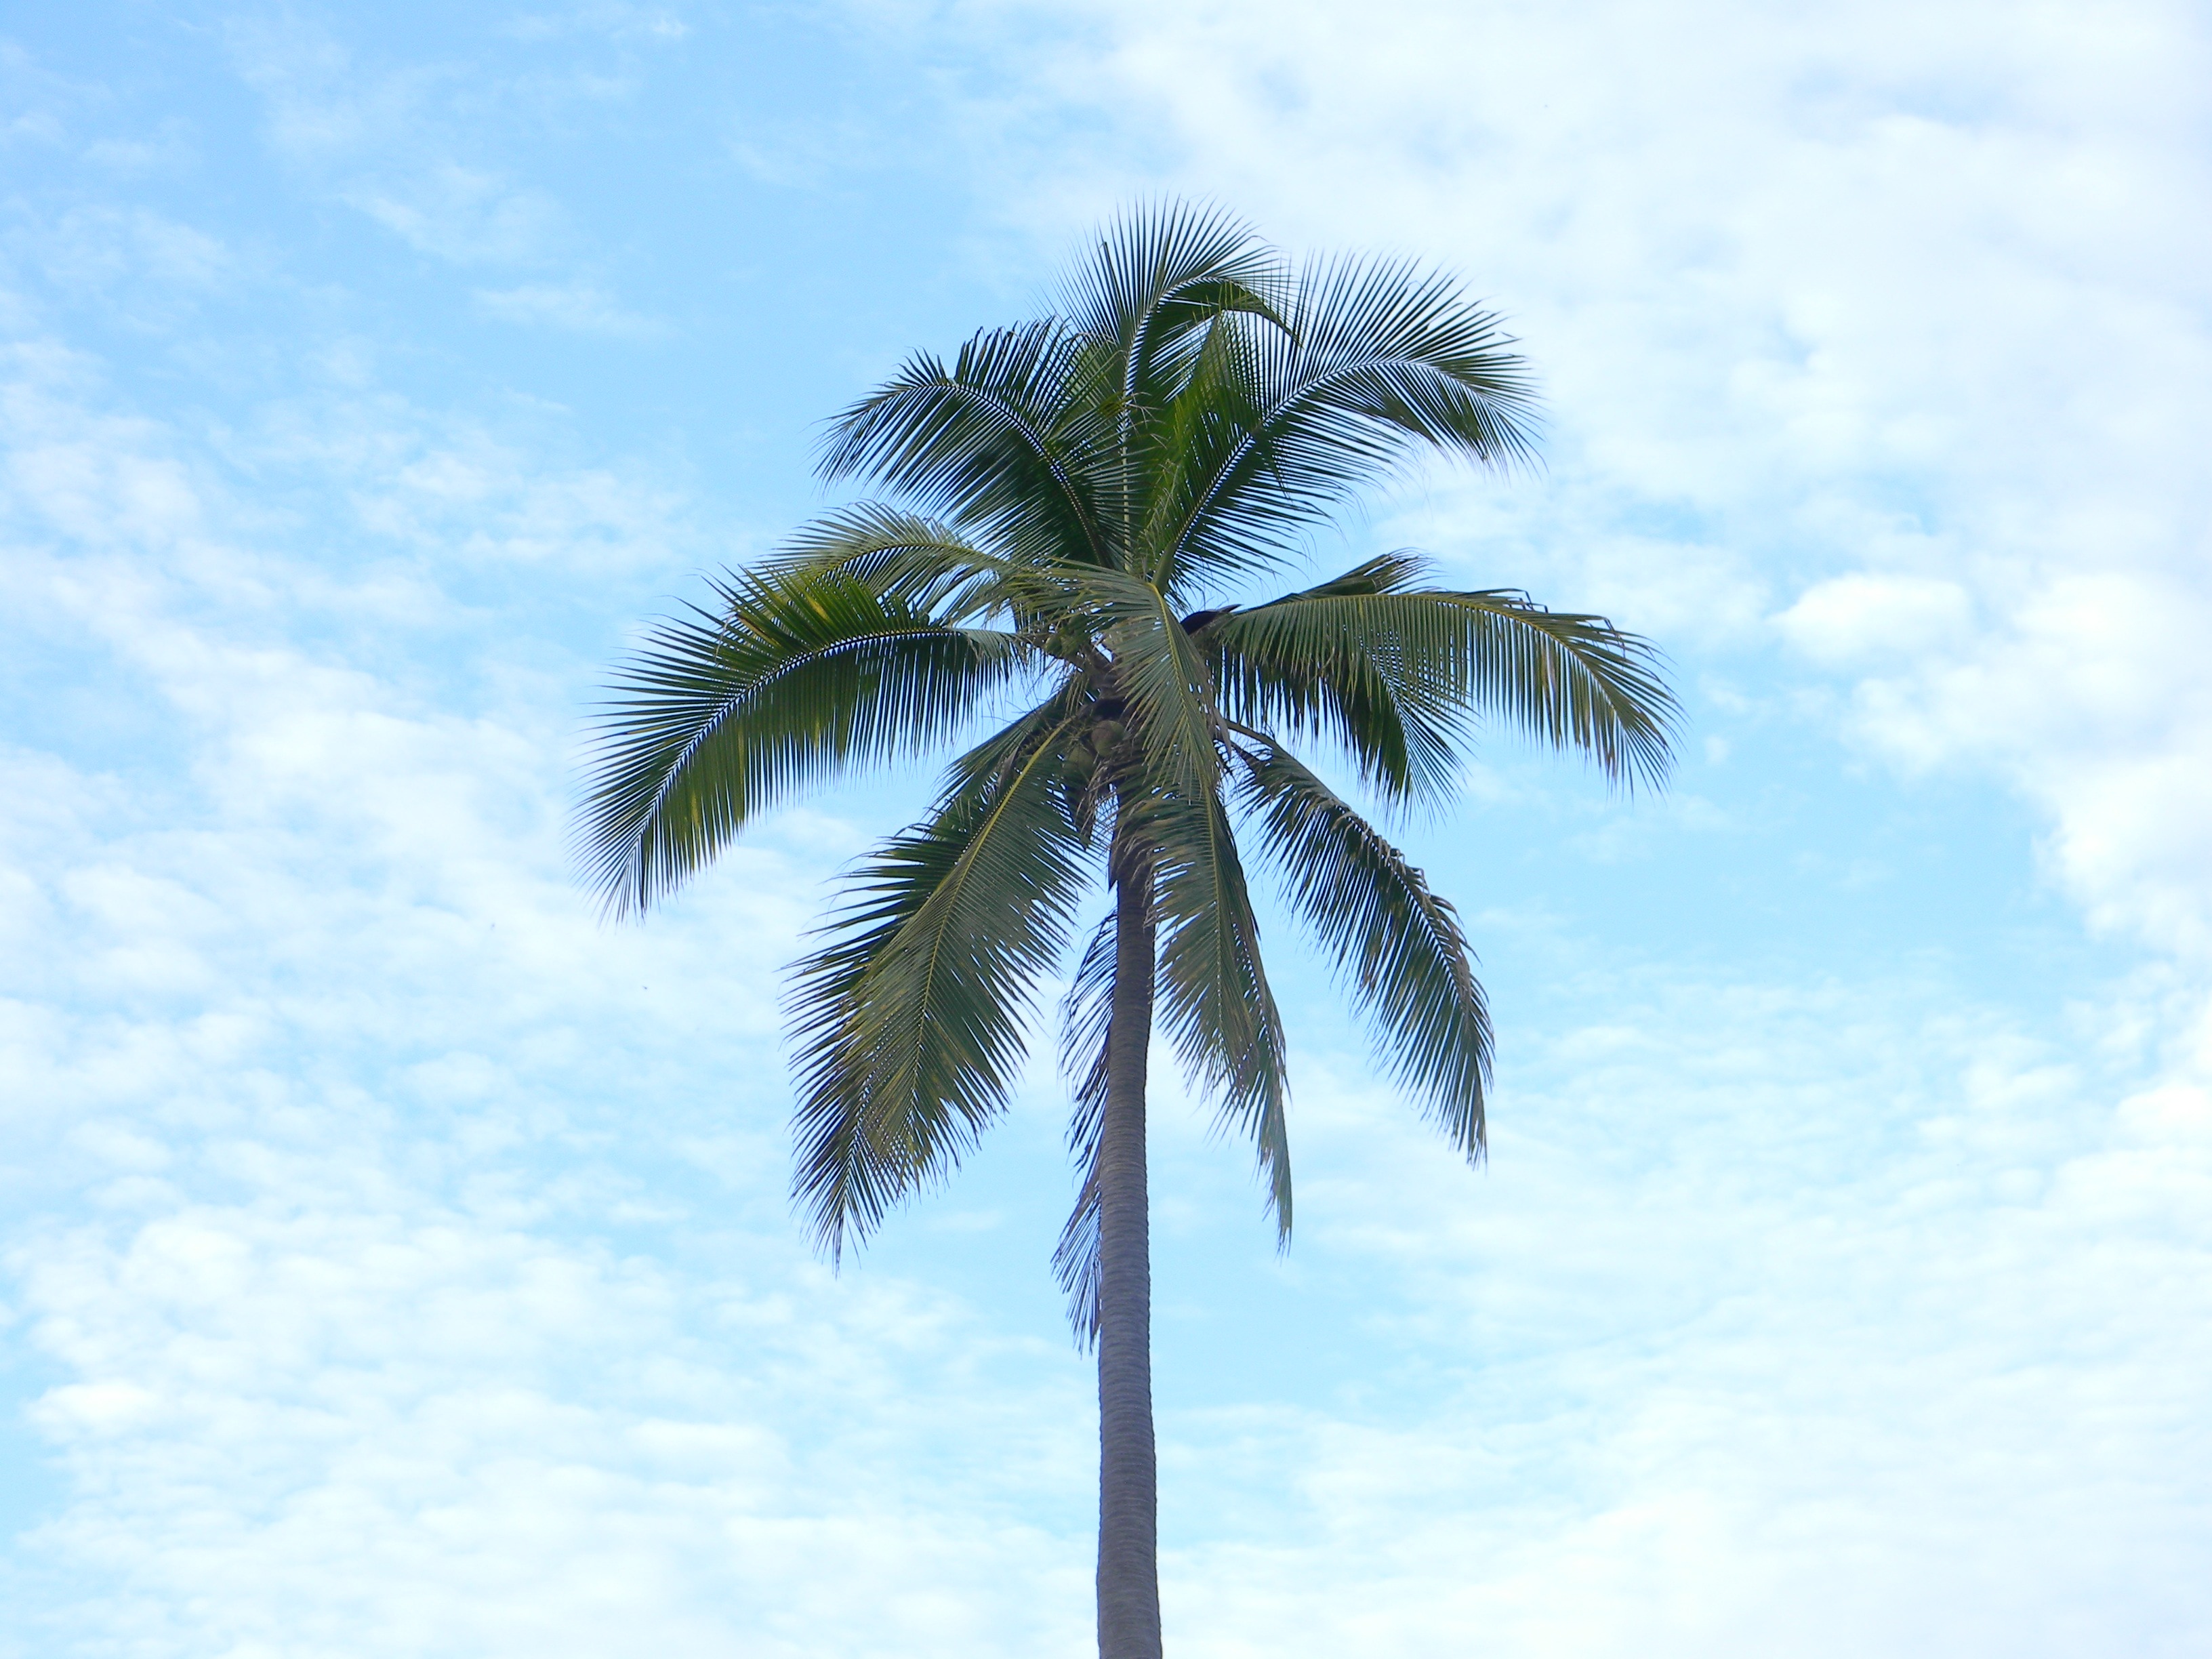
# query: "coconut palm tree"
[[1081, 511]]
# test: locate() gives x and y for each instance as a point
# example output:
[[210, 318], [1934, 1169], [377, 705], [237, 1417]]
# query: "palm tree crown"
[[1077, 506]]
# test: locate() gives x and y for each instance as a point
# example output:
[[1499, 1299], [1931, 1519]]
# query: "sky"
[[395, 1259]]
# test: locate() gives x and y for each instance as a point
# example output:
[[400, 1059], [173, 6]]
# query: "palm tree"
[[1077, 499]]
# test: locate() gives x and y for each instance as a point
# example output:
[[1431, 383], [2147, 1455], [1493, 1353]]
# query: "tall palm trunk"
[[1128, 1475]]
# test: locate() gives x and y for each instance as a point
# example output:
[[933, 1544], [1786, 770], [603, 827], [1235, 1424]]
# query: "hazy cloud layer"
[[399, 1261]]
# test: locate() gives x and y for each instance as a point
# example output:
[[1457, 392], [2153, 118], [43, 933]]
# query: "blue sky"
[[395, 1261]]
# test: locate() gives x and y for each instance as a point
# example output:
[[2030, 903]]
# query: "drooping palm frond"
[[1159, 674], [1085, 1027], [1398, 946], [723, 715], [1373, 669], [904, 557], [1214, 999], [1356, 698], [909, 1024]]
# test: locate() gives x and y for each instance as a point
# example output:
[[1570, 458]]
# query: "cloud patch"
[[576, 307]]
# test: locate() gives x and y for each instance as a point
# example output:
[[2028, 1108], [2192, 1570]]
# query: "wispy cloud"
[[578, 308], [462, 214], [395, 142]]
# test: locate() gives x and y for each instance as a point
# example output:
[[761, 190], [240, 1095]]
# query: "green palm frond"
[[725, 715], [1386, 667], [1159, 275], [1008, 442], [909, 1026], [1160, 673], [915, 560], [1397, 944], [1214, 999], [1378, 359], [1178, 451], [1355, 693], [1086, 1025]]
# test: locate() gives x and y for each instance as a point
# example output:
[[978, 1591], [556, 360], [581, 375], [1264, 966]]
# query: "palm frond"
[[1379, 358], [1085, 1027], [1368, 666], [910, 1026], [1160, 673], [1347, 692], [1214, 1000], [1008, 441], [1157, 276], [725, 715], [1177, 453], [1398, 946], [919, 561]]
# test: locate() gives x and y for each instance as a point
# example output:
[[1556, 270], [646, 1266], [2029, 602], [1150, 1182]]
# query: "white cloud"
[[2089, 696], [1845, 621], [149, 267], [580, 308], [419, 1432]]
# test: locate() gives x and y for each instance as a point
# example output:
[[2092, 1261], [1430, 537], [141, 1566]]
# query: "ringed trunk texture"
[[1129, 1474]]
